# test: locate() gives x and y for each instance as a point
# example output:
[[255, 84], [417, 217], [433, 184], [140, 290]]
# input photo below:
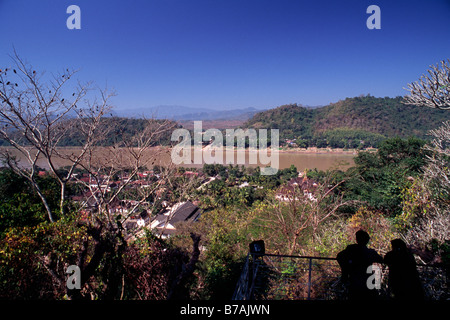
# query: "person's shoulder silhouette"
[[354, 261], [404, 280], [359, 253]]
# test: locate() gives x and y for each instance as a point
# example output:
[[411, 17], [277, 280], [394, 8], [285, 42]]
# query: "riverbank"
[[314, 150], [311, 150]]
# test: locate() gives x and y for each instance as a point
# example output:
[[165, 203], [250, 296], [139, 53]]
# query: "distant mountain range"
[[187, 113]]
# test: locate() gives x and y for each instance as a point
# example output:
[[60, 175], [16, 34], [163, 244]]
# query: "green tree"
[[378, 178], [20, 205]]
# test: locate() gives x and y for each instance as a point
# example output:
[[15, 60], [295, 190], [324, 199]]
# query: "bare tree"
[[431, 219], [113, 173], [432, 89], [437, 168], [36, 114], [125, 158], [297, 212]]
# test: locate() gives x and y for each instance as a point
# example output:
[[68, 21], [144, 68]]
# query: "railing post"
[[243, 285], [309, 278]]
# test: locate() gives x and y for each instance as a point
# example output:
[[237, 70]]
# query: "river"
[[162, 156]]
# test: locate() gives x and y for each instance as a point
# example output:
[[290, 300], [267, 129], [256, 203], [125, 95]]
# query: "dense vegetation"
[[239, 205], [353, 122]]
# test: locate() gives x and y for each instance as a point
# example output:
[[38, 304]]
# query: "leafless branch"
[[35, 116], [432, 89]]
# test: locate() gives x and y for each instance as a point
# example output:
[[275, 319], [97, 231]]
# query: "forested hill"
[[126, 129], [361, 118], [118, 130]]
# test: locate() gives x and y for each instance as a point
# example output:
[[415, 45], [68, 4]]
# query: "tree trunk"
[[63, 198], [44, 201]]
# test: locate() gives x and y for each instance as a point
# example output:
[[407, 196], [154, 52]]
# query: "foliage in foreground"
[[398, 191]]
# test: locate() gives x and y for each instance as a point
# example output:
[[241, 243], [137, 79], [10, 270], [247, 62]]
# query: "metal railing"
[[284, 277]]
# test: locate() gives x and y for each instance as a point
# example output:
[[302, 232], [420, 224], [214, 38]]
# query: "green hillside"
[[353, 122], [118, 130]]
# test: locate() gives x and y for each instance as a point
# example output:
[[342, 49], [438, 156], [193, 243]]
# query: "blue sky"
[[227, 54]]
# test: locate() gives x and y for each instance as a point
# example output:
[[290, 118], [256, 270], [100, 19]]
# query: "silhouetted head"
[[398, 245], [362, 237]]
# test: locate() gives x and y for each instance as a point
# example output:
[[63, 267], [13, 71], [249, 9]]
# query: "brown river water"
[[302, 160]]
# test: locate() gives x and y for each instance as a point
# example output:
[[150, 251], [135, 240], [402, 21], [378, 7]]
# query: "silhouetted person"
[[404, 280], [354, 261]]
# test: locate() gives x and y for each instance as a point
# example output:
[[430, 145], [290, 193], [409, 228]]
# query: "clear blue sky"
[[226, 54]]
